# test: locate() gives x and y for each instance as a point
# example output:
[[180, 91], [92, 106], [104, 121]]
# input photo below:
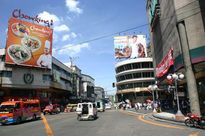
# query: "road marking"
[[129, 113], [47, 127], [141, 117], [193, 134]]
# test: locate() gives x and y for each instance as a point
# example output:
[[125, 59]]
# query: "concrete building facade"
[[133, 76], [179, 27], [99, 92], [61, 84], [88, 84]]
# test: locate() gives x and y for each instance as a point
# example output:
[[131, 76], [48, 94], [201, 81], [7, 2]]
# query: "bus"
[[17, 111]]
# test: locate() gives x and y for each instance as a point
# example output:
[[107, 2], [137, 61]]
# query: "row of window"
[[134, 66], [134, 85], [44, 77], [5, 73], [62, 71], [135, 76]]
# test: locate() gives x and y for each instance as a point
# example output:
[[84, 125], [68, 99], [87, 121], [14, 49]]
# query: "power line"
[[104, 36], [126, 30]]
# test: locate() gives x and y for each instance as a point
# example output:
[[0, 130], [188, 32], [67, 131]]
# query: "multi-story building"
[[132, 79], [177, 30], [88, 84], [99, 92], [134, 69], [76, 80], [60, 84]]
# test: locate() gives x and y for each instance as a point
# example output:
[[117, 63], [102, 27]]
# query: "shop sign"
[[18, 14], [165, 64]]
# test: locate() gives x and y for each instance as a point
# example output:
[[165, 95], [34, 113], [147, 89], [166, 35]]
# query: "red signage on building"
[[165, 64]]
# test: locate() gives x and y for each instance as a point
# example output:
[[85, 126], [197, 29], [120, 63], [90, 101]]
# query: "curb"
[[168, 120], [154, 116]]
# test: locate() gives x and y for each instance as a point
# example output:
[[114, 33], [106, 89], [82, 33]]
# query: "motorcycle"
[[194, 120]]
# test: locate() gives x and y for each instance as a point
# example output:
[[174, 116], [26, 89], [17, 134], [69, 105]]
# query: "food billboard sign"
[[130, 47], [28, 44]]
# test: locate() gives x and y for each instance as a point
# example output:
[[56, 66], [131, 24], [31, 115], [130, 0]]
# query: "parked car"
[[51, 109], [71, 107], [86, 111]]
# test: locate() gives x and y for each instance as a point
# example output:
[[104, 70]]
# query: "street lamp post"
[[176, 77], [153, 88]]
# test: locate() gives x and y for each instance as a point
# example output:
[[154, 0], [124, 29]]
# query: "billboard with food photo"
[[29, 44], [130, 47]]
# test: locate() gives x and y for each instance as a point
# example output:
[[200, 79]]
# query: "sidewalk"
[[162, 116], [170, 117]]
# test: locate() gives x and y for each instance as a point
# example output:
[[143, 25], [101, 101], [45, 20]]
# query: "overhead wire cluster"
[[126, 30]]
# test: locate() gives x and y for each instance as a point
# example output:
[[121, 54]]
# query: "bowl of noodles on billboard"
[[31, 42], [18, 53], [20, 29]]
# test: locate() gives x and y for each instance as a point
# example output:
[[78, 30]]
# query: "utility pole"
[[73, 75]]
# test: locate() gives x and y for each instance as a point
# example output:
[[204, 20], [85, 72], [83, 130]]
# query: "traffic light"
[[113, 84]]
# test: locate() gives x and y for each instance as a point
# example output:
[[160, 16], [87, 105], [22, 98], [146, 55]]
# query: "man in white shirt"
[[45, 59], [134, 46], [138, 50]]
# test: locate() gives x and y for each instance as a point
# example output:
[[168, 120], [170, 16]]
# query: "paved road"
[[109, 123]]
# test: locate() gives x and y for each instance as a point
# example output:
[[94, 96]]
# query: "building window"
[[138, 84], [137, 75], [145, 65], [136, 66], [46, 77], [129, 76], [148, 74], [128, 67], [6, 73], [2, 58]]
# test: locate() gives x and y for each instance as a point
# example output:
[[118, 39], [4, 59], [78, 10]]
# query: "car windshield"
[[6, 108]]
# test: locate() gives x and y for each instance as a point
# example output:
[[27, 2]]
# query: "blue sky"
[[78, 26]]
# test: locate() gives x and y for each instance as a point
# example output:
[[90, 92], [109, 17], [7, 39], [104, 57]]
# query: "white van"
[[86, 111], [100, 105]]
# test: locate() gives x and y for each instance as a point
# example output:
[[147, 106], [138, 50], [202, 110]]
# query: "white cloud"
[[69, 36], [54, 51], [48, 16], [55, 37], [66, 37], [72, 6], [73, 35], [73, 49], [61, 28]]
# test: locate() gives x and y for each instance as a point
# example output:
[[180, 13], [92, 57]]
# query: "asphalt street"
[[109, 123]]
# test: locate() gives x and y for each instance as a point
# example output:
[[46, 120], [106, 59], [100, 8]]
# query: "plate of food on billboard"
[[20, 29], [18, 53], [31, 42]]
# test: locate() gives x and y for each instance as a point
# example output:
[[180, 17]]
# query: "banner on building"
[[163, 67], [130, 47], [28, 44]]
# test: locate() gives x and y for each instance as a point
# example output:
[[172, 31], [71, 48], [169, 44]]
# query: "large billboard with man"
[[29, 44], [130, 47]]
